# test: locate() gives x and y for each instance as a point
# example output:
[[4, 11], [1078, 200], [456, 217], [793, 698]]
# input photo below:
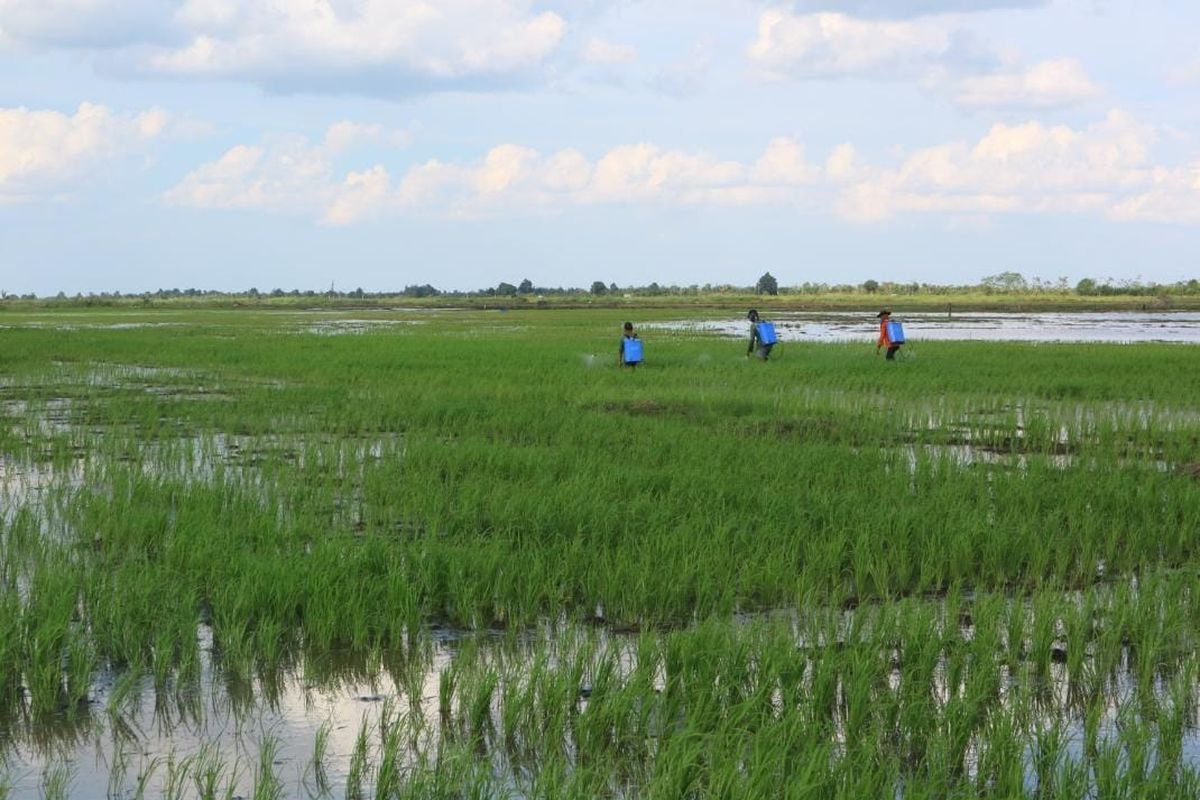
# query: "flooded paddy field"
[[464, 554], [1079, 327]]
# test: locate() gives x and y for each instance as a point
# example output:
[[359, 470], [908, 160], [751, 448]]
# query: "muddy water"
[[843, 326]]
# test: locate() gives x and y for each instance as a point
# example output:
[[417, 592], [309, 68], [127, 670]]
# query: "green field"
[[968, 574]]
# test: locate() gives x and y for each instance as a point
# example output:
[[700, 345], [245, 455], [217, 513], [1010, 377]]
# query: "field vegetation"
[[970, 574]]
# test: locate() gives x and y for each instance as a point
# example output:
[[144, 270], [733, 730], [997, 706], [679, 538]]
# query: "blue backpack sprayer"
[[632, 353]]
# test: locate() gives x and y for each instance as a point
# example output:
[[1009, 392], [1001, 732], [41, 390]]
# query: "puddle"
[[843, 326], [343, 327], [93, 326]]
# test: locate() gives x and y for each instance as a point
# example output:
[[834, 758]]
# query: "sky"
[[230, 144]]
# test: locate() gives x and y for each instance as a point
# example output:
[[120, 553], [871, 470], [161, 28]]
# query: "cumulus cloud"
[[386, 47], [1048, 84], [601, 51], [939, 58], [1105, 169], [1029, 167], [1173, 195], [292, 174], [43, 151]]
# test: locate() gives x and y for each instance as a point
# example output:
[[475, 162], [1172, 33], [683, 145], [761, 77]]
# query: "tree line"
[[1004, 283]]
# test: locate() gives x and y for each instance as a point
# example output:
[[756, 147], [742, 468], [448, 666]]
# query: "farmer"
[[757, 346], [630, 352], [885, 340]]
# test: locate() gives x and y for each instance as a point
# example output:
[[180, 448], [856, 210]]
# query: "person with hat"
[[885, 339], [758, 345]]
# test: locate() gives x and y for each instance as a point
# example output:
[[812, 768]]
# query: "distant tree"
[[871, 286], [598, 288], [1086, 287], [612, 287], [526, 287], [767, 284], [506, 290], [1005, 282]]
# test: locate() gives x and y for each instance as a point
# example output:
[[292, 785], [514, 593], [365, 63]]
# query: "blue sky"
[[378, 143]]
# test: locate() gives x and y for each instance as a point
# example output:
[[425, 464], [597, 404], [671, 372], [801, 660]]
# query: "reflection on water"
[[846, 326], [329, 726]]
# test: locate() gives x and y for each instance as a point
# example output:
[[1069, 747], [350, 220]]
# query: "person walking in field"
[[630, 352], [762, 336], [885, 336]]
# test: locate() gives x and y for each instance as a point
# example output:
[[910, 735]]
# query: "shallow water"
[[156, 739], [846, 326]]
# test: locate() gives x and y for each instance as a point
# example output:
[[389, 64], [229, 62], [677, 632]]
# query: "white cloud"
[[385, 47], [43, 152], [1014, 168], [783, 162], [927, 52], [835, 45], [1173, 195], [344, 135], [292, 174], [1062, 82], [289, 175], [1104, 169], [844, 164], [361, 196], [600, 51]]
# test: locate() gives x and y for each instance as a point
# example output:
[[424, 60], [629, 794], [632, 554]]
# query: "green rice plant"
[[389, 774], [145, 775], [176, 777], [316, 766], [1049, 755], [267, 785], [358, 771], [209, 770], [479, 705], [56, 781]]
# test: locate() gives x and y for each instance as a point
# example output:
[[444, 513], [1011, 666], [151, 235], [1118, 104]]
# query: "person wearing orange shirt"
[[884, 339]]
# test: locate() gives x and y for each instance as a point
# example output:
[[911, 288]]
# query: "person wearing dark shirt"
[[763, 351], [629, 336]]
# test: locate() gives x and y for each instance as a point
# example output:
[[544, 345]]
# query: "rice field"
[[464, 554]]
